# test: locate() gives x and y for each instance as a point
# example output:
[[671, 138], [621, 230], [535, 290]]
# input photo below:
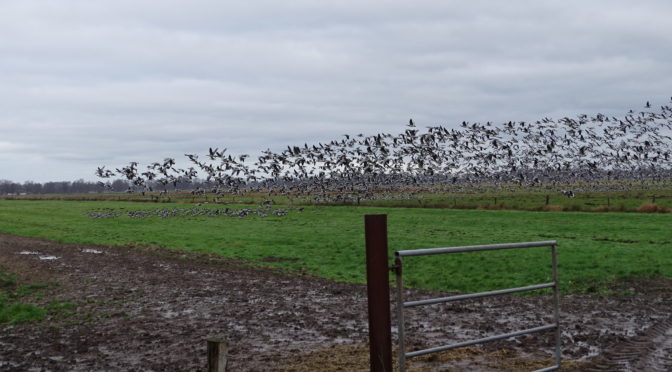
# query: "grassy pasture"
[[595, 249], [515, 199]]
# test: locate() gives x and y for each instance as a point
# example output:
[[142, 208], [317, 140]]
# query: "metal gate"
[[401, 305]]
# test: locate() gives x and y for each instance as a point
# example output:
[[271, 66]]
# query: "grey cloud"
[[86, 83]]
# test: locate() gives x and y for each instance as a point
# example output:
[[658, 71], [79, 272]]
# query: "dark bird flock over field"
[[601, 152]]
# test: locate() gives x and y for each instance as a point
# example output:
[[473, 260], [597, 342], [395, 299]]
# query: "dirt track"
[[151, 309]]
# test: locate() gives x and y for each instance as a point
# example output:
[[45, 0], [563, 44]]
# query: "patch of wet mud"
[[650, 350], [152, 309]]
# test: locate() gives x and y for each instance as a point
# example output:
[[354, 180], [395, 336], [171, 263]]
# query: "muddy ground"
[[149, 309]]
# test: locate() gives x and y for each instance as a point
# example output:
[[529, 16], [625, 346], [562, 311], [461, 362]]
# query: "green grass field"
[[595, 249], [515, 199]]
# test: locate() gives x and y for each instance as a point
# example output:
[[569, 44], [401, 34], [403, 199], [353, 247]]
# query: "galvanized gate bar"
[[401, 347], [480, 340], [398, 268], [551, 368], [432, 301], [556, 301], [472, 248]]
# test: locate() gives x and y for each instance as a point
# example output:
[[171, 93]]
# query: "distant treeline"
[[76, 187]]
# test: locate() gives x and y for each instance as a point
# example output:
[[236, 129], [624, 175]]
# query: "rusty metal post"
[[378, 289]]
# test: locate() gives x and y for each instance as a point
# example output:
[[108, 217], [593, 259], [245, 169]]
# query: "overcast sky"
[[90, 83]]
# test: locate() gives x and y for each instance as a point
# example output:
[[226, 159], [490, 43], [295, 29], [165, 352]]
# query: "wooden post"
[[378, 291], [217, 355], [548, 197]]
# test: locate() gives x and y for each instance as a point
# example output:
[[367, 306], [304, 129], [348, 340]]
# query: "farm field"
[[177, 175], [595, 249], [126, 277], [115, 308], [659, 195]]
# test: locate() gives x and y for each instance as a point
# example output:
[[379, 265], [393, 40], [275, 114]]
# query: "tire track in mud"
[[651, 351]]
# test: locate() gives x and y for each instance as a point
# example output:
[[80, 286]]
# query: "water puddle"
[[40, 255], [593, 351]]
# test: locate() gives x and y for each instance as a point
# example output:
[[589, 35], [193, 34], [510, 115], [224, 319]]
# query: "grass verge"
[[16, 298], [12, 310]]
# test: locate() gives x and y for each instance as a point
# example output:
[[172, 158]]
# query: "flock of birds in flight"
[[599, 151]]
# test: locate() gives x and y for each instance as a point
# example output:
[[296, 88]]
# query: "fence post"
[[217, 355], [378, 292]]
